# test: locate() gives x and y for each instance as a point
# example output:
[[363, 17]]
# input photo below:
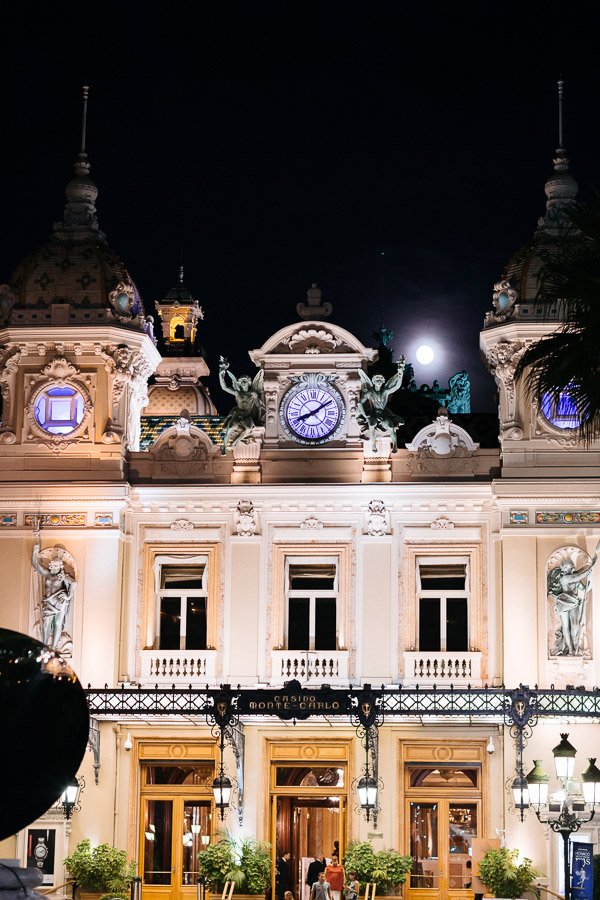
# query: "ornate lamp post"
[[566, 819], [222, 786]]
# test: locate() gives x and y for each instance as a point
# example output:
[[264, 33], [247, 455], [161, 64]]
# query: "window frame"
[[343, 554], [162, 562], [180, 554], [312, 595], [442, 594], [447, 551]]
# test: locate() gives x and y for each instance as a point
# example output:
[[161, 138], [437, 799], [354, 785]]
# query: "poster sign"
[[41, 844], [582, 871]]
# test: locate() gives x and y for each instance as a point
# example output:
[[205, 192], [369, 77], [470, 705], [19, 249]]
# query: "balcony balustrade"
[[165, 667], [310, 667], [428, 669]]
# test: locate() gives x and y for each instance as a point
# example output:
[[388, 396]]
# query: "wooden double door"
[[439, 839], [174, 828]]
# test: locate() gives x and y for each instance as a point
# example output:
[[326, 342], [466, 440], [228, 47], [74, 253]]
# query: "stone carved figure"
[[460, 393], [249, 411], [568, 590], [58, 593], [372, 412]]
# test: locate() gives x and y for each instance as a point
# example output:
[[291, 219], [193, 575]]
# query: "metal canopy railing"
[[515, 706]]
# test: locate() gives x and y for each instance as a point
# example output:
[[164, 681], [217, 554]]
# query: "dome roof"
[[74, 278], [522, 270]]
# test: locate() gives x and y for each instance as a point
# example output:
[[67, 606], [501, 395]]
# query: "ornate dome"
[[74, 278], [523, 268]]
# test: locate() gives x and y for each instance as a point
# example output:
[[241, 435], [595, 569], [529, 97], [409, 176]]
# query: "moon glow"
[[424, 354]]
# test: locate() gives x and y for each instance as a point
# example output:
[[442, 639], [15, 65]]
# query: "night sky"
[[288, 143]]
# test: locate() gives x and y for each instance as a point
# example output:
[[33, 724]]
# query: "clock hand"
[[313, 411]]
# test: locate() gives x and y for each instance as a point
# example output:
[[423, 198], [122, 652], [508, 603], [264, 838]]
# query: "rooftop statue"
[[373, 413], [249, 411], [568, 588], [460, 393], [58, 593]]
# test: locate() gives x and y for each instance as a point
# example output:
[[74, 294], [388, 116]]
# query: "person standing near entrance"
[[336, 877], [284, 875], [320, 889], [316, 866], [352, 889]]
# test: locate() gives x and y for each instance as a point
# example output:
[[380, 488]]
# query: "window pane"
[[198, 773], [174, 577], [424, 845], [457, 637], [170, 623], [325, 624], [313, 776], [298, 621], [443, 577], [157, 841], [429, 624], [465, 778], [313, 577], [195, 637]]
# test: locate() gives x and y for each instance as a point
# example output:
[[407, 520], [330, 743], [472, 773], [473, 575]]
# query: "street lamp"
[[566, 821], [69, 799], [221, 787]]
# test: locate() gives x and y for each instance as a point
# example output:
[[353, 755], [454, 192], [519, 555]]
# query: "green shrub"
[[387, 868], [244, 861], [100, 869], [502, 875]]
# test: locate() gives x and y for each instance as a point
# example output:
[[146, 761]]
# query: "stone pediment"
[[315, 338], [442, 439]]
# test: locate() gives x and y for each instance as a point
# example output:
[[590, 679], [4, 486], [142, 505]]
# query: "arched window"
[[177, 329]]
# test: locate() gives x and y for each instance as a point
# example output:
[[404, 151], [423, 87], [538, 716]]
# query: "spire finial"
[[561, 163], [80, 220], [86, 91], [181, 274]]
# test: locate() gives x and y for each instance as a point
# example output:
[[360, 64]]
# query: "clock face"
[[312, 411]]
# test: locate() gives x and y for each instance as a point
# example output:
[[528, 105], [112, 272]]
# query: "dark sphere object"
[[44, 727]]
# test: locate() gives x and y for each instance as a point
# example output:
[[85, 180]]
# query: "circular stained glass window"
[[59, 410], [561, 412]]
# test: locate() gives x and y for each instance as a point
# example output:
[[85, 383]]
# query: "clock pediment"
[[310, 339]]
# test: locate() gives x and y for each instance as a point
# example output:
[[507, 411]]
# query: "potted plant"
[[387, 868], [502, 873], [242, 860], [100, 871]]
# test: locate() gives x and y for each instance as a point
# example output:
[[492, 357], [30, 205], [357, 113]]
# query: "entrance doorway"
[[308, 818], [176, 816], [443, 815]]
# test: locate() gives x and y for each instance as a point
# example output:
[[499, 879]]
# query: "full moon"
[[424, 354]]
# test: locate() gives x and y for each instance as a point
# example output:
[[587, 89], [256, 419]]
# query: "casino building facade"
[[302, 554]]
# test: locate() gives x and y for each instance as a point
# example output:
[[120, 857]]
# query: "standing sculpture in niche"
[[568, 590], [249, 411], [372, 412], [58, 593]]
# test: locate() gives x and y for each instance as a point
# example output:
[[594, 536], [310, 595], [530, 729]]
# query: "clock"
[[312, 410]]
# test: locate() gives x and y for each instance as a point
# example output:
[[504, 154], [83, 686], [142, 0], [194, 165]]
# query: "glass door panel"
[[462, 828], [158, 849], [424, 845], [195, 835]]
